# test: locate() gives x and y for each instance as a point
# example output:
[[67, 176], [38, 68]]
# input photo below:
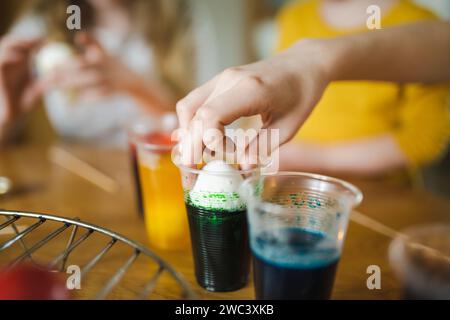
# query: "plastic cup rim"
[[358, 195]]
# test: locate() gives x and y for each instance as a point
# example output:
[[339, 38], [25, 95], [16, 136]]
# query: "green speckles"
[[314, 203], [215, 201], [296, 200]]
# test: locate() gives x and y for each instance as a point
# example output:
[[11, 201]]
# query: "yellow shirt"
[[416, 115]]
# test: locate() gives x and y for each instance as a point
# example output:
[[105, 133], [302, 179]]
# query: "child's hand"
[[282, 89], [93, 74]]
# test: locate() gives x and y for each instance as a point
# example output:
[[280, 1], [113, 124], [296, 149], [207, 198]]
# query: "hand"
[[94, 73], [282, 89], [19, 90]]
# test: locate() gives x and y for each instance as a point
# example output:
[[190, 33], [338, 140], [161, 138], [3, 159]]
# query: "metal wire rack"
[[78, 234]]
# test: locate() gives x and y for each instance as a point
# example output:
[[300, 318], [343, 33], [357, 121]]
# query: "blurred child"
[[363, 128], [132, 56]]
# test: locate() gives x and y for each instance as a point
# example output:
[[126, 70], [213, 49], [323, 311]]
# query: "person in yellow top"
[[366, 128]]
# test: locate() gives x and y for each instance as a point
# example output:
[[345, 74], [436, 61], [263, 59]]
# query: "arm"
[[95, 74], [285, 88], [420, 137], [366, 157], [416, 52]]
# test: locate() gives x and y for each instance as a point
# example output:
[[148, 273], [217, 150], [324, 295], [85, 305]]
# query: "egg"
[[5, 185], [52, 55], [217, 188]]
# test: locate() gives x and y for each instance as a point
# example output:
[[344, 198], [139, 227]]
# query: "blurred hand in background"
[[95, 74]]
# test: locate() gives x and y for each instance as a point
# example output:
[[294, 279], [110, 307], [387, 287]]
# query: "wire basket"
[[111, 265]]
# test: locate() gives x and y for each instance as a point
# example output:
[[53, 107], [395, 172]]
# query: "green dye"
[[213, 200]]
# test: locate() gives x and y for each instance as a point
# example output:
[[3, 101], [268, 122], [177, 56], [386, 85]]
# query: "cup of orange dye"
[[160, 187]]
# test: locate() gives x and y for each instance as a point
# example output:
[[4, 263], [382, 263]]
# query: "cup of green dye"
[[218, 225]]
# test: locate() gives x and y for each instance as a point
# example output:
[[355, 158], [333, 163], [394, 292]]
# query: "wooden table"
[[44, 187]]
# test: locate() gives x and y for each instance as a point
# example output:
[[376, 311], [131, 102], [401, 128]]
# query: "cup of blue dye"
[[297, 225]]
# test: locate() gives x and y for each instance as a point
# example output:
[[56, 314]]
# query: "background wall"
[[264, 33], [228, 26], [440, 7]]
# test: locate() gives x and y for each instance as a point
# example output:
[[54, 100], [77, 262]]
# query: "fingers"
[[14, 43], [232, 97], [247, 97], [12, 58], [79, 76], [187, 107], [232, 94], [32, 93], [262, 151], [72, 65], [14, 51], [93, 50], [76, 74], [287, 128]]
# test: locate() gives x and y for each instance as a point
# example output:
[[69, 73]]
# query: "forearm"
[[412, 53], [365, 157], [369, 156]]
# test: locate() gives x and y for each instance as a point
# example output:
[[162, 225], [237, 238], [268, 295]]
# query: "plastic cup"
[[159, 184], [297, 224], [218, 227], [142, 130]]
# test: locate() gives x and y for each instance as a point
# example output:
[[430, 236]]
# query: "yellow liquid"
[[165, 214]]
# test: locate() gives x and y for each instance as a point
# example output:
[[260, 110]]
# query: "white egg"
[[217, 187], [51, 56], [5, 185]]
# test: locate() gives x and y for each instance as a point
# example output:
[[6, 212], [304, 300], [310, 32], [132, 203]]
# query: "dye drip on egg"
[[218, 225]]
